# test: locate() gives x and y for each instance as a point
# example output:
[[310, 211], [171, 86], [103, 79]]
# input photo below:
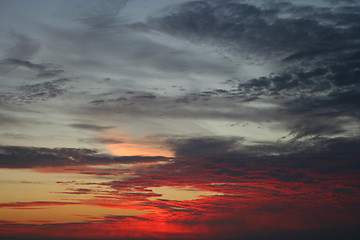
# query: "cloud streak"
[[29, 157]]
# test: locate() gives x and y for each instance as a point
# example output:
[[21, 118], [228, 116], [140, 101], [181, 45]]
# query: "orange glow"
[[128, 149], [135, 146]]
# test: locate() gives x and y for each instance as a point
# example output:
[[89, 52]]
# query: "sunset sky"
[[174, 119]]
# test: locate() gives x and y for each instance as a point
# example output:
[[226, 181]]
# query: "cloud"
[[29, 157], [275, 187], [103, 140], [303, 186], [43, 70], [78, 191], [260, 28], [244, 170], [250, 183], [210, 104], [204, 146], [237, 25], [42, 91], [258, 187], [316, 48], [34, 92], [355, 2], [311, 127], [307, 35], [90, 127], [36, 204]]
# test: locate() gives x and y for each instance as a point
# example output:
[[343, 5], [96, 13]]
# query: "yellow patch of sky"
[[62, 214], [24, 185], [27, 185]]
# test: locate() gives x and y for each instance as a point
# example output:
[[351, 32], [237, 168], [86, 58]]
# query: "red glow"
[[245, 201]]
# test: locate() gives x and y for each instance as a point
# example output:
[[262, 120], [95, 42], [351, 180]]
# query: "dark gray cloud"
[[325, 90], [31, 157], [43, 70], [281, 160], [35, 92], [90, 127], [319, 47], [109, 140], [307, 34], [42, 91], [205, 146], [262, 29], [342, 1], [317, 127]]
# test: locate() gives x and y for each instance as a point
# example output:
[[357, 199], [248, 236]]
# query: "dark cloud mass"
[[304, 33], [318, 45], [204, 146]]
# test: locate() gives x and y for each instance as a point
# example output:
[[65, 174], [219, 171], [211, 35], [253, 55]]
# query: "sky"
[[212, 119]]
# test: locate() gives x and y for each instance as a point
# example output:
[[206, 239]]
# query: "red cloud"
[[266, 196]]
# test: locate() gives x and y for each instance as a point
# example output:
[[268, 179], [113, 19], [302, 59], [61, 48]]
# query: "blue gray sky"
[[76, 72]]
